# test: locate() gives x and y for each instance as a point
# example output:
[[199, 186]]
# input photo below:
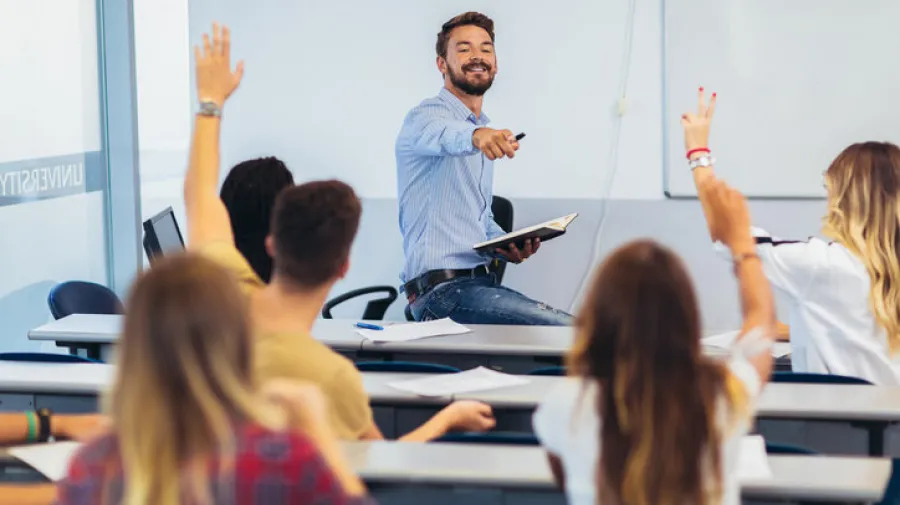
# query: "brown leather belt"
[[427, 281]]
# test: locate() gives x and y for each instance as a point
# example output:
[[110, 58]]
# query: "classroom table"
[[75, 387], [412, 473], [511, 349]]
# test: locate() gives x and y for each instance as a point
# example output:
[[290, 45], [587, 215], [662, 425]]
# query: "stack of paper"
[[753, 463], [412, 331], [725, 340], [51, 460], [476, 379]]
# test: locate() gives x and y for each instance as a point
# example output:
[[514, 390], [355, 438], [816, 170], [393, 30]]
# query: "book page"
[[476, 379], [559, 223], [51, 459]]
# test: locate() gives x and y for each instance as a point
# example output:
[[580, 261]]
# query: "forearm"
[[14, 428], [23, 494], [434, 428], [757, 301], [202, 176], [445, 137]]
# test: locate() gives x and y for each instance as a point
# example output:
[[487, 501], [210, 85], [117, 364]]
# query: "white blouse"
[[833, 330]]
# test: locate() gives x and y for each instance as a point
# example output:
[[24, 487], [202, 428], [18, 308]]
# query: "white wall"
[[49, 119], [316, 71]]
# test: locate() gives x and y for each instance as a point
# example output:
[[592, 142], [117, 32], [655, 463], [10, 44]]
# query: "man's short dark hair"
[[466, 19], [313, 226], [249, 194]]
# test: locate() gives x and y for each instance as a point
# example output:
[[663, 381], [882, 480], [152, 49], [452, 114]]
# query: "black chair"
[[79, 297], [503, 216], [374, 310], [405, 367], [549, 371], [816, 378], [44, 357], [490, 438], [787, 449]]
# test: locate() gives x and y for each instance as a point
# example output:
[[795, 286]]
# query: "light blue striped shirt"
[[444, 187]]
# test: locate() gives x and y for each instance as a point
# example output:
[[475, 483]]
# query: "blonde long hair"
[[183, 379], [864, 216], [638, 337]]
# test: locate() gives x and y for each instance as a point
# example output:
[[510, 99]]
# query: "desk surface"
[[790, 401], [496, 340], [794, 477], [105, 329]]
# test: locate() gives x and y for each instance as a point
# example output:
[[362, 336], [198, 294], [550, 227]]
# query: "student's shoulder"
[[562, 398]]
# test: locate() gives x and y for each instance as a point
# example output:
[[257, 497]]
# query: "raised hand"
[[495, 144], [696, 125], [215, 79]]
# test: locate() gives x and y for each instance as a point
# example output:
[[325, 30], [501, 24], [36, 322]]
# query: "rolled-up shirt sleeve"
[[431, 130]]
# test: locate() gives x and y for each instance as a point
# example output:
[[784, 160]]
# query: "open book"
[[543, 231]]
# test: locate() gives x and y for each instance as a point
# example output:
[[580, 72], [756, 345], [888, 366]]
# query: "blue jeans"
[[481, 300]]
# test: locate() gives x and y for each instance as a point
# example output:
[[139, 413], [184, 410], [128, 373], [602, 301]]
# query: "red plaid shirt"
[[270, 468]]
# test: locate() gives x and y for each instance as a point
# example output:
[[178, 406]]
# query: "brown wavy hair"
[[864, 216], [638, 337]]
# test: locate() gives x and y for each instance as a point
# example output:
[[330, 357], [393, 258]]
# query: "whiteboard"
[[797, 82]]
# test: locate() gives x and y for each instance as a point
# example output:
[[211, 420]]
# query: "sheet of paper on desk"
[[476, 379], [753, 463], [51, 460], [724, 341], [412, 331]]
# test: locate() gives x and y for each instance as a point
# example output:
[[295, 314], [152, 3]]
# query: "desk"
[[412, 473], [75, 387], [512, 349], [98, 333]]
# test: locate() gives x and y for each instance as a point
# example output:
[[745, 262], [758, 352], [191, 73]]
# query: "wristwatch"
[[702, 161], [208, 108], [44, 434]]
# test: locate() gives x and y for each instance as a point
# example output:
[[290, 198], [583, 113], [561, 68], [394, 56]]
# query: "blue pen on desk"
[[369, 326]]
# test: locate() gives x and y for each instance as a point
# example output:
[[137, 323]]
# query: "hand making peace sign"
[[696, 126]]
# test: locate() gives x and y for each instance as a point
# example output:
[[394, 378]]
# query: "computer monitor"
[[162, 235]]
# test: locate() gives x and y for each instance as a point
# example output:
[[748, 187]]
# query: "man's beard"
[[469, 88]]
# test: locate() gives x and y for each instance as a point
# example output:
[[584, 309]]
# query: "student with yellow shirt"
[[313, 227]]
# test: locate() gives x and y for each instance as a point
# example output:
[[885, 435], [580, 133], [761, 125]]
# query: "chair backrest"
[[79, 297], [375, 309], [503, 216], [816, 378], [773, 448], [892, 492], [554, 371], [492, 438], [44, 357], [405, 367]]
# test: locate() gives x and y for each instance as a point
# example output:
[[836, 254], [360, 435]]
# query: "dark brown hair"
[[249, 194], [313, 226], [639, 339], [466, 19]]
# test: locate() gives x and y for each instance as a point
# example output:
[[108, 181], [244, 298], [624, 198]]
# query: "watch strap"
[[209, 108], [702, 161], [44, 424]]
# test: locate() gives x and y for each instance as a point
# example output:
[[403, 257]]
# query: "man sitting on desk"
[[445, 171]]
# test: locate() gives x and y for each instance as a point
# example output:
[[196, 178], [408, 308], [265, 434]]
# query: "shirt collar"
[[461, 109]]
